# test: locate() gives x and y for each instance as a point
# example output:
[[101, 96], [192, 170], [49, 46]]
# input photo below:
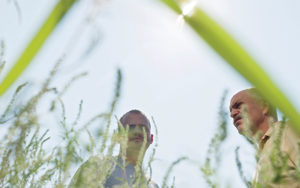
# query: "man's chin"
[[136, 142], [240, 128], [244, 132], [135, 145], [136, 149]]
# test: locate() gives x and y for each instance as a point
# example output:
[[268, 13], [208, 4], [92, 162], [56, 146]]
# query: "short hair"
[[262, 101], [134, 111]]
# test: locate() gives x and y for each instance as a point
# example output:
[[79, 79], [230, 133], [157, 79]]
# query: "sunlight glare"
[[188, 7]]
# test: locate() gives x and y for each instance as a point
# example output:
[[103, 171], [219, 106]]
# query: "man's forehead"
[[134, 118], [242, 95]]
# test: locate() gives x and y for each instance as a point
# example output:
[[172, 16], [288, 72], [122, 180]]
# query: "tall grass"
[[272, 174], [25, 161], [213, 160], [240, 168], [170, 169]]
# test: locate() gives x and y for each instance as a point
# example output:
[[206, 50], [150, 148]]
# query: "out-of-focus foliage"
[[273, 167], [213, 156], [170, 169], [36, 43], [25, 161], [224, 44]]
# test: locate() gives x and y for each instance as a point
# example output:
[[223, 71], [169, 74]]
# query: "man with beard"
[[279, 155], [123, 169]]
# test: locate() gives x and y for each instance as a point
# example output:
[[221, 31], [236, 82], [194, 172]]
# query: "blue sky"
[[169, 72]]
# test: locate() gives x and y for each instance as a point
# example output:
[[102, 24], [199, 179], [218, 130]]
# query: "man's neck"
[[264, 127], [132, 157]]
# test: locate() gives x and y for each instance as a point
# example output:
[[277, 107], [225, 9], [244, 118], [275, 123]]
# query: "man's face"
[[136, 123], [244, 107]]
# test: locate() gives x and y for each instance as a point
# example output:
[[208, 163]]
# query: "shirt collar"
[[265, 138], [267, 134]]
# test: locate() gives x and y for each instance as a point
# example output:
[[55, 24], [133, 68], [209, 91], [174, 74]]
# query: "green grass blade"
[[38, 40], [239, 59], [173, 5]]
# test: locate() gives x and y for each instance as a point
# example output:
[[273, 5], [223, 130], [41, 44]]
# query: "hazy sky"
[[169, 72]]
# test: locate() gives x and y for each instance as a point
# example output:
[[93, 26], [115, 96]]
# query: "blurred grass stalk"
[[204, 26], [236, 57], [56, 15]]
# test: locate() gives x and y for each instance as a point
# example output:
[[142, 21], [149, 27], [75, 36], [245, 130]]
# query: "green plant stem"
[[239, 59], [59, 11]]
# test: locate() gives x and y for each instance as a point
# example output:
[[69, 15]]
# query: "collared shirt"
[[278, 164], [90, 174]]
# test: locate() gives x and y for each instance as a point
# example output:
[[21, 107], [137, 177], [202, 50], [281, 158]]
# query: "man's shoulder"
[[282, 135], [287, 130], [89, 171], [91, 161], [152, 184], [289, 139], [284, 127], [99, 160]]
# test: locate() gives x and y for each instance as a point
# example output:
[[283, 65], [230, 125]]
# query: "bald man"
[[255, 118]]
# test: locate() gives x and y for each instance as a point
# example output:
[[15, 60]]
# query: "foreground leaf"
[[238, 58], [36, 43]]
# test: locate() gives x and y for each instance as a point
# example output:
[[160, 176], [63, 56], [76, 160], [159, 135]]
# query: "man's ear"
[[151, 138], [266, 109]]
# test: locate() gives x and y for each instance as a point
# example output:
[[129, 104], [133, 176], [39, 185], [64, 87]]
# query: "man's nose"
[[234, 112], [138, 129]]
